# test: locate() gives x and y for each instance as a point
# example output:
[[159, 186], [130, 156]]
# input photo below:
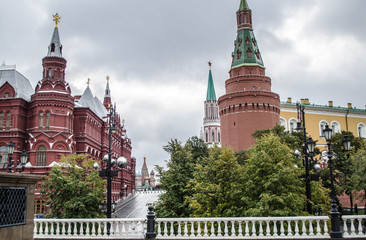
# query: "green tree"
[[358, 170], [272, 184], [217, 186], [73, 188], [343, 163], [174, 180]]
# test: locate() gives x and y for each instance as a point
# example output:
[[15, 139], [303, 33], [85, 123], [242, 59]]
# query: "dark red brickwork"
[[50, 125]]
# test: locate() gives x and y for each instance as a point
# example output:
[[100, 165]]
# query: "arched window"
[[292, 124], [249, 53], [336, 127], [40, 121], [4, 157], [206, 137], [8, 121], [48, 116], [218, 137], [6, 95], [283, 123], [361, 129], [41, 156], [213, 136], [322, 125]]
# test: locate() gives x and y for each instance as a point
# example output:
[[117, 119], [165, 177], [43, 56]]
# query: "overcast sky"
[[156, 53]]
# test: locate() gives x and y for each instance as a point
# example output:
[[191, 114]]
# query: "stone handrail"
[[251, 227], [354, 226], [89, 228]]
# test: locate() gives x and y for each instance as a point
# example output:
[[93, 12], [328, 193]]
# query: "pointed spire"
[[55, 47], [107, 96], [243, 5], [211, 95]]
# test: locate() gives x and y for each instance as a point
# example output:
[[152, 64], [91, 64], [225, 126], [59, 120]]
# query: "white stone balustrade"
[[251, 227], [89, 228], [354, 226]]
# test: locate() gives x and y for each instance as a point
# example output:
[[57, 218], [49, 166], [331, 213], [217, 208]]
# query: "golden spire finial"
[[210, 64], [56, 19], [108, 78], [88, 82]]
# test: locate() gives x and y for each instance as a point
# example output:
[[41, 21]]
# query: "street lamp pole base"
[[335, 222]]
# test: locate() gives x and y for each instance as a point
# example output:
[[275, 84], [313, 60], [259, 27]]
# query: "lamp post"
[[301, 127], [108, 172], [335, 222], [22, 161]]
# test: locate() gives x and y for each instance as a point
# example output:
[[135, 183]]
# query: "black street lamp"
[[22, 161], [301, 127], [335, 222], [108, 172]]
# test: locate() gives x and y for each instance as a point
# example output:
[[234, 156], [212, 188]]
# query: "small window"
[[6, 95], [238, 54], [52, 47], [361, 129], [292, 125], [41, 156], [213, 136], [247, 41], [8, 121], [1, 120], [249, 53], [322, 125], [48, 116], [40, 121]]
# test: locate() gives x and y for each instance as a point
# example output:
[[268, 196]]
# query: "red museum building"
[[49, 122]]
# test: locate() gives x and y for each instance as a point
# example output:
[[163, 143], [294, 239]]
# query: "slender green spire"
[[211, 95], [243, 5]]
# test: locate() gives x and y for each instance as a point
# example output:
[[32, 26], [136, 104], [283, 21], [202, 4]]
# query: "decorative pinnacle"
[[210, 64], [56, 19], [108, 78], [88, 82]]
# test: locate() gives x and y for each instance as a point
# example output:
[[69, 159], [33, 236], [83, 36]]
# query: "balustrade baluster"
[[289, 230], [282, 230], [240, 230], [172, 228], [52, 228], [353, 230], [247, 228], [192, 230], [212, 229], [185, 229], [311, 229], [159, 229], [359, 226], [233, 230], [165, 229], [345, 229], [304, 230], [275, 231], [219, 234], [199, 233], [205, 231], [297, 228], [318, 229], [268, 229], [99, 229], [261, 228], [254, 230], [226, 230], [179, 233], [325, 228]]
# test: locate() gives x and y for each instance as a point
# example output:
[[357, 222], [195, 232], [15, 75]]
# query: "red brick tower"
[[51, 109], [248, 104]]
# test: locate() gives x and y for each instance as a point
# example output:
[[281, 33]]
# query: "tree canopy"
[[73, 188]]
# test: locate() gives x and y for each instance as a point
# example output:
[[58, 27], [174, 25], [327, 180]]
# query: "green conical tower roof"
[[211, 95], [243, 5]]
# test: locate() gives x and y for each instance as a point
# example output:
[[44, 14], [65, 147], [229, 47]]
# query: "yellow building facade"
[[317, 116]]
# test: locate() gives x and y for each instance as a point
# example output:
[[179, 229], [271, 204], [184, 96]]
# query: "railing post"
[[150, 233]]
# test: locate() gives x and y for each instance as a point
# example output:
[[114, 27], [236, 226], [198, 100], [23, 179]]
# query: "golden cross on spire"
[[56, 19], [88, 82], [108, 78], [210, 64]]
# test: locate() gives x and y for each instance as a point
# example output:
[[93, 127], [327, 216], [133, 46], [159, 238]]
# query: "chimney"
[[330, 103], [305, 101], [350, 105], [289, 100]]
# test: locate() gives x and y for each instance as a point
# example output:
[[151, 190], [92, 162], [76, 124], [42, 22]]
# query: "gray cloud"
[[156, 53]]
